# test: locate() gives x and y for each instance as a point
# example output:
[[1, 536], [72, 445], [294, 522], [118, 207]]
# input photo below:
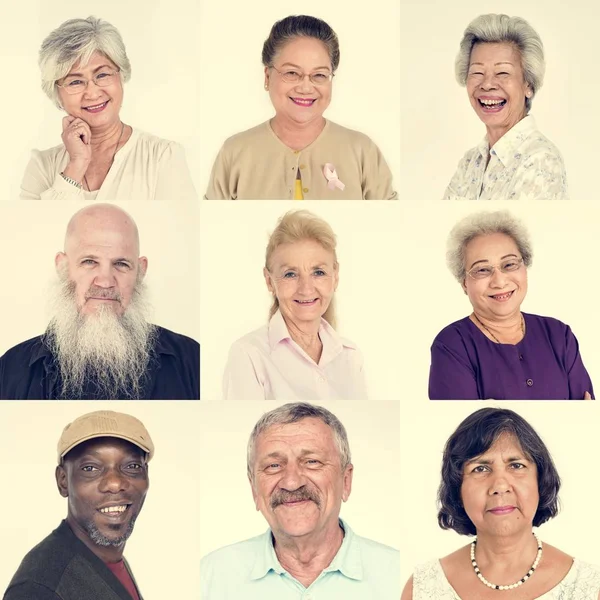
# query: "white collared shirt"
[[268, 365], [523, 165], [361, 570]]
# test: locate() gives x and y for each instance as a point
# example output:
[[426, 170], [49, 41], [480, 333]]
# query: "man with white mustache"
[[99, 343], [300, 472]]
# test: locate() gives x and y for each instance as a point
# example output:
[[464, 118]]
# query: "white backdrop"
[[438, 123], [31, 233], [568, 430], [366, 89], [161, 98]]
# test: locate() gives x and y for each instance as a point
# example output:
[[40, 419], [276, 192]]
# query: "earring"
[[267, 87]]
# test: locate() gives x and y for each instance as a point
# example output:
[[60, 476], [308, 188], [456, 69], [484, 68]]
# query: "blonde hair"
[[295, 226]]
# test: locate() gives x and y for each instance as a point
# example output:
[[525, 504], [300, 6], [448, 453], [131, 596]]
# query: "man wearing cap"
[[99, 343], [103, 472], [300, 472]]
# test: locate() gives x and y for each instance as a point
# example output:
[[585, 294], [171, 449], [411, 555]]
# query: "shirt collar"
[[347, 560], [332, 342], [507, 146]]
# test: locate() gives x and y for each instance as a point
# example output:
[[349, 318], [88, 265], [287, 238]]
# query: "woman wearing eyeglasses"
[[298, 154], [84, 66], [498, 351]]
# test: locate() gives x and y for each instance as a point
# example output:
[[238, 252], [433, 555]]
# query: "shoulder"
[[537, 145], [241, 554], [454, 334], [553, 327], [586, 572], [153, 145], [22, 353], [253, 341], [349, 136], [377, 551], [253, 135], [176, 343]]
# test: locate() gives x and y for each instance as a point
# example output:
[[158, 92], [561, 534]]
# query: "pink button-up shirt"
[[268, 365]]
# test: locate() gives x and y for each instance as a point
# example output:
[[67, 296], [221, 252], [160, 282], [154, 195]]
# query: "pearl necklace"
[[495, 338], [512, 586]]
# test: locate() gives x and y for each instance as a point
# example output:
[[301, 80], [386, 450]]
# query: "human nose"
[[292, 478], [305, 84], [499, 485], [104, 277], [497, 278], [91, 90], [488, 82], [113, 481], [305, 284]]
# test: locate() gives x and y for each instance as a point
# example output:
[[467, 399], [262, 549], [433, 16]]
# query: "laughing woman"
[[84, 66], [501, 63], [299, 154], [498, 351]]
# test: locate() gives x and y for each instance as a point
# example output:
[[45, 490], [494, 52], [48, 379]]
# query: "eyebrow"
[[95, 257], [484, 260], [299, 67], [276, 454], [94, 71], [504, 62], [317, 266], [485, 461]]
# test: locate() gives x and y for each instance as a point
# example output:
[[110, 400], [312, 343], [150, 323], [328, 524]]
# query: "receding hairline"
[[106, 214]]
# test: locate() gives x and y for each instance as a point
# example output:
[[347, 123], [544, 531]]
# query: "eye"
[[480, 469], [482, 271], [134, 466], [88, 468], [476, 73], [289, 275], [320, 77], [88, 261], [320, 273], [292, 74], [122, 264], [103, 74], [511, 265], [517, 466], [313, 462], [503, 73], [74, 83]]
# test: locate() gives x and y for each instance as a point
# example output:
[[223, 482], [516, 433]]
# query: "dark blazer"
[[62, 567], [29, 371]]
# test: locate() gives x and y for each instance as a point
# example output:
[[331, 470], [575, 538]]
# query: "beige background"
[[161, 98], [227, 512], [164, 543], [568, 430], [438, 123], [366, 89], [32, 233], [235, 299]]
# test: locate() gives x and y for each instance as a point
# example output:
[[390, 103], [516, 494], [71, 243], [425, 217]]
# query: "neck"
[[495, 133], [297, 135], [503, 554], [109, 554], [305, 334], [508, 327], [306, 557], [107, 135]]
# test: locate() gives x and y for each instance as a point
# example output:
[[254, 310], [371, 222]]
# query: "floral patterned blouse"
[[522, 165]]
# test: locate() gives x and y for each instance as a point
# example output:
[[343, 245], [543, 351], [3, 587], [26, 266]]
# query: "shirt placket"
[[292, 165]]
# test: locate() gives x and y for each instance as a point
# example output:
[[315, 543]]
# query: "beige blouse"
[[256, 164]]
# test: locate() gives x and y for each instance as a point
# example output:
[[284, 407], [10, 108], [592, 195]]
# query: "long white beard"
[[112, 351]]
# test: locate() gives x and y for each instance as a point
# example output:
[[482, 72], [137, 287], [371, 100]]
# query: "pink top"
[[268, 365]]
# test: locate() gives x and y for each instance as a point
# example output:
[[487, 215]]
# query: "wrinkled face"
[[97, 106], [102, 263], [105, 481], [303, 275], [298, 482], [496, 84], [501, 294], [300, 102], [500, 488]]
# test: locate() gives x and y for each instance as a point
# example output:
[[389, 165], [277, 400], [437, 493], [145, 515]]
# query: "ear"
[[266, 78], [348, 473], [268, 280], [254, 494], [336, 276], [59, 260], [61, 481], [143, 265], [464, 285]]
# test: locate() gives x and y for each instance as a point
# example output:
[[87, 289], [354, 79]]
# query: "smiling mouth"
[[96, 107], [303, 101], [502, 297], [491, 105], [114, 510], [306, 302]]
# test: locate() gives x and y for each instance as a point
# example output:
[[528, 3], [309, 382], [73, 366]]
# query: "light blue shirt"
[[361, 570]]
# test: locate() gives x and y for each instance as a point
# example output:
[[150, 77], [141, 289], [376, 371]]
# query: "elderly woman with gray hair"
[[84, 66], [298, 154], [498, 351], [501, 63]]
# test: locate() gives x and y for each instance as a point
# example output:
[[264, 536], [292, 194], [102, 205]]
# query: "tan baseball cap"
[[104, 423]]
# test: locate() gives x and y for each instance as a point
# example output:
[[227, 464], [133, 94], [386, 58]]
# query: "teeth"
[[114, 509], [307, 102], [93, 107], [491, 102]]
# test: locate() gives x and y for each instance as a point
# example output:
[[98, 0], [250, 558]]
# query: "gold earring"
[[267, 86]]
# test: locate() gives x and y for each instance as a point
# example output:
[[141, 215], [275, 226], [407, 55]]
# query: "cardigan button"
[[529, 382], [305, 190]]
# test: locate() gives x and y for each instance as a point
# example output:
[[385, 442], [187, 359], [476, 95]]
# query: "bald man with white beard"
[[99, 343]]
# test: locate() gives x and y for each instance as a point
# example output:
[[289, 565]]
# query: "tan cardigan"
[[257, 165]]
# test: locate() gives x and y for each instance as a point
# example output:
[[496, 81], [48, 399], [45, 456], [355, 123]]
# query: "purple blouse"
[[544, 365]]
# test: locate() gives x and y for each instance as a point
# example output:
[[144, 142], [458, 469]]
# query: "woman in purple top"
[[499, 352]]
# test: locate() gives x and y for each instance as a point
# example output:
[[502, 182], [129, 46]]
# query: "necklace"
[[495, 338], [512, 586], [113, 156]]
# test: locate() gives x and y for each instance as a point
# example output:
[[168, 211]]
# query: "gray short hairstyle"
[[300, 26], [76, 40], [292, 413], [498, 29], [485, 223]]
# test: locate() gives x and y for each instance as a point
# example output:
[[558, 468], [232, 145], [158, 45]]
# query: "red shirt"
[[122, 574]]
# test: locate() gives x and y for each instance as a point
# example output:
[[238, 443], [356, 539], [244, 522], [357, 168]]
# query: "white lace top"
[[582, 582]]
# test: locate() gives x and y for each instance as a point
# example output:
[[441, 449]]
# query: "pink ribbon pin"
[[332, 177]]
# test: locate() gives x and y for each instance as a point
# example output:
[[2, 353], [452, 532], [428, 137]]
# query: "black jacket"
[[29, 371], [62, 567]]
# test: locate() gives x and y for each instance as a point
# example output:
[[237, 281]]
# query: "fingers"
[[587, 396], [77, 128]]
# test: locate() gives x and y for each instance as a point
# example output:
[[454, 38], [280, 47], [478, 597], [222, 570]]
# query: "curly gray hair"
[[494, 28], [76, 40], [291, 413], [484, 223]]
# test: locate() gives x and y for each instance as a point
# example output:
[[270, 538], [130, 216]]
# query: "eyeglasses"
[[76, 84], [507, 266], [315, 78]]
